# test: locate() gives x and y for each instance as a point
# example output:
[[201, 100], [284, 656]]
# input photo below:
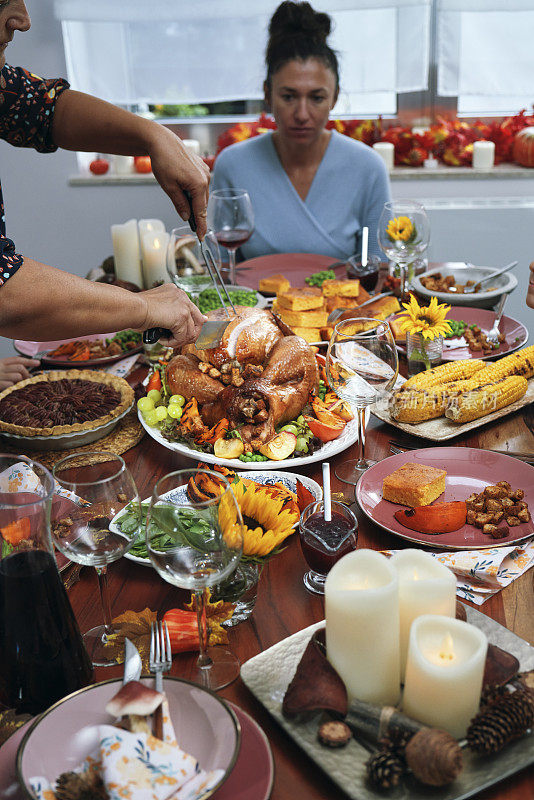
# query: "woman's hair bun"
[[291, 19]]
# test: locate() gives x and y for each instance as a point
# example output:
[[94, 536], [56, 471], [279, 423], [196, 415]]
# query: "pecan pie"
[[55, 403]]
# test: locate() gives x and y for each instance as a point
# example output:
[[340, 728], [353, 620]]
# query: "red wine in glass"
[[232, 238]]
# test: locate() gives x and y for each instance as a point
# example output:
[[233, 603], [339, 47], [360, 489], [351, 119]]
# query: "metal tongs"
[[212, 331]]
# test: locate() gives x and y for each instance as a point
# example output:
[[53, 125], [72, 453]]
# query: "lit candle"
[[150, 226], [126, 252], [446, 659], [154, 252], [362, 626], [425, 587], [386, 150], [483, 155]]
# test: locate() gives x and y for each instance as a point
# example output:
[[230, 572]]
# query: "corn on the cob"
[[445, 373], [520, 363], [485, 399], [420, 405]]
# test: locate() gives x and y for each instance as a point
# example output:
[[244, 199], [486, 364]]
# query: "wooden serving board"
[[440, 429]]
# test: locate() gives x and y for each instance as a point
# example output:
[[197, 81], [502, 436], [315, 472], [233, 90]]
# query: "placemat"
[[127, 434]]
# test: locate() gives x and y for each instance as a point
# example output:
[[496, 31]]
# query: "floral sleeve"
[[27, 105]]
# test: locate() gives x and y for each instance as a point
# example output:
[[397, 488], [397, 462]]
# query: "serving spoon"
[[494, 274]]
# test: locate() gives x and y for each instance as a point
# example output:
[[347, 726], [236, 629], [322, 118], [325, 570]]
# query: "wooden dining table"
[[284, 606]]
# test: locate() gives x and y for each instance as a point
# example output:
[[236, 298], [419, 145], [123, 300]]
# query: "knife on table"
[[132, 663]]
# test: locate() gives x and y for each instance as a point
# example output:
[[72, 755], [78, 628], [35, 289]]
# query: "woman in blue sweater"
[[312, 189]]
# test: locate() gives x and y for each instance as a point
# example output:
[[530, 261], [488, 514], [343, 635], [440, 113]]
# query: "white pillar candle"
[[154, 252], [192, 146], [122, 165], [425, 587], [483, 155], [126, 252], [387, 151], [150, 226], [446, 659], [362, 626]]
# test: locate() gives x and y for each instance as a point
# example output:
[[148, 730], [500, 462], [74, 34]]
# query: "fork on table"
[[399, 447], [160, 661], [493, 335]]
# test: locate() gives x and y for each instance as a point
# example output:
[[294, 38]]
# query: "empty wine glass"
[[231, 217], [186, 265], [403, 234], [100, 490], [362, 366], [196, 543]]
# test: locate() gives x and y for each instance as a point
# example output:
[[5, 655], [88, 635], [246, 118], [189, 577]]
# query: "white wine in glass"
[[362, 366], [196, 544]]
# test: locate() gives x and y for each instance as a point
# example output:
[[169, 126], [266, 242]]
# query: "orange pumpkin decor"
[[524, 147]]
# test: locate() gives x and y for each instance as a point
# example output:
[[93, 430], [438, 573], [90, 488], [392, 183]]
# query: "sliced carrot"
[[439, 518], [16, 531]]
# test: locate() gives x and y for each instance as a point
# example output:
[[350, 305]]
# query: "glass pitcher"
[[42, 657]]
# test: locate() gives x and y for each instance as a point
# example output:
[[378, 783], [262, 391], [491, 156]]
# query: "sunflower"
[[401, 229], [268, 517], [429, 321]]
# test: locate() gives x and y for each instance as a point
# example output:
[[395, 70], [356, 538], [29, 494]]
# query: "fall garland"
[[449, 141]]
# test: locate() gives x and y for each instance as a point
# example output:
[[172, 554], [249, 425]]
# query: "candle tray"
[[268, 674]]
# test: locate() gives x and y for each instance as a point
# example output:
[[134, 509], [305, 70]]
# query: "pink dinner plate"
[[295, 266], [29, 349], [251, 778], [60, 738], [468, 470], [516, 334]]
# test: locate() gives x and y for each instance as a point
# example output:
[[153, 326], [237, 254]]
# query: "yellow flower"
[[267, 520], [401, 228], [429, 321]]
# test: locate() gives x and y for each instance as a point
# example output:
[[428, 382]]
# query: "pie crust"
[[118, 384]]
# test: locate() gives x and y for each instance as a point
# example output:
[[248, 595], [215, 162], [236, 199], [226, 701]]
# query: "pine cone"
[[395, 742], [80, 786], [506, 719], [384, 770], [492, 694]]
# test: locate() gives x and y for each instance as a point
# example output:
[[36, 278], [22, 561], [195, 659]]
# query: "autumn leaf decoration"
[[135, 626]]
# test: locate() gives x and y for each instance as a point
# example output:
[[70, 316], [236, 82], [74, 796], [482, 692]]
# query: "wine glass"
[[85, 534], [196, 543], [186, 265], [362, 366], [403, 234], [231, 216]]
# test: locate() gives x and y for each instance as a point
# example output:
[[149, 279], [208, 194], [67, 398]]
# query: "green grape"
[[154, 395], [145, 404], [177, 399], [302, 445], [161, 413], [291, 428], [301, 420], [151, 418], [174, 411]]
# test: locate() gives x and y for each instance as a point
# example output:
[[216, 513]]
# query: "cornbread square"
[[338, 301], [274, 284], [308, 334], [301, 299], [348, 288], [315, 318], [414, 485]]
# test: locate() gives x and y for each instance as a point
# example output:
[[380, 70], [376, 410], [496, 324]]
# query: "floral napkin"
[[20, 477], [123, 367], [483, 573], [141, 767]]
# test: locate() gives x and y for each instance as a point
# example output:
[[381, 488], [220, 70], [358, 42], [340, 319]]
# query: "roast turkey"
[[257, 378]]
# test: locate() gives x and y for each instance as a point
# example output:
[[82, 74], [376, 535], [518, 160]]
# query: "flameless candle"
[[154, 252], [386, 150], [122, 165], [126, 252], [150, 226], [425, 587], [446, 659], [192, 146], [483, 155], [362, 625]]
